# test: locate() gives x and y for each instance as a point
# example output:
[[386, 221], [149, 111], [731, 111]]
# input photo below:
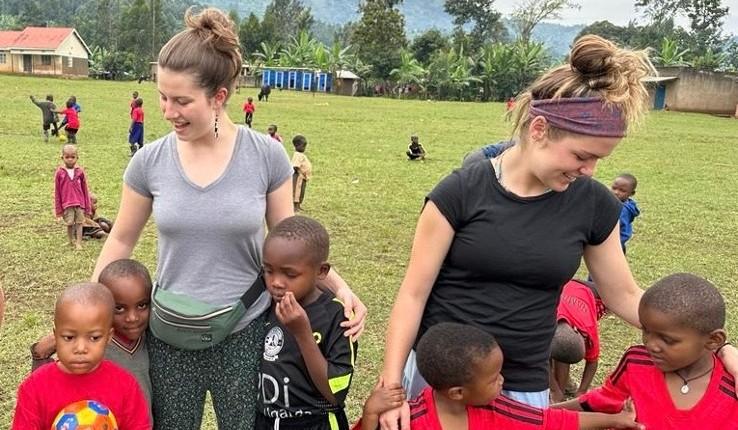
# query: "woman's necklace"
[[686, 381]]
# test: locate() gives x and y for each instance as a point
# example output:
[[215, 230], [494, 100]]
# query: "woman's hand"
[[354, 310]]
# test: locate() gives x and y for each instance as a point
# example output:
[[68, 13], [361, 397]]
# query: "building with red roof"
[[44, 51]]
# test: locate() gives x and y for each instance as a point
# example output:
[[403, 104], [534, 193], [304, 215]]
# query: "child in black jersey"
[[308, 363]]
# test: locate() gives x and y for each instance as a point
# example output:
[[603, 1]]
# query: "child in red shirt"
[[576, 338], [462, 366], [83, 324], [71, 117], [675, 379], [136, 130], [71, 196], [249, 109]]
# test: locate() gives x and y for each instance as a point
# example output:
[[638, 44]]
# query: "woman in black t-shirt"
[[498, 239]]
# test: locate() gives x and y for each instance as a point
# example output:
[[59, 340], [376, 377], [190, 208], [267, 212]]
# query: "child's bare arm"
[[572, 405], [293, 316], [590, 369], [381, 399], [622, 420]]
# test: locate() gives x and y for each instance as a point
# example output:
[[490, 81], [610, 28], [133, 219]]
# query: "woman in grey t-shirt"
[[210, 185]]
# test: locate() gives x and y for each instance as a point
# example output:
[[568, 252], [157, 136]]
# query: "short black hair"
[[299, 140], [447, 353], [692, 301], [86, 293], [70, 103], [567, 345], [630, 178], [125, 268], [139, 101], [307, 230], [49, 97]]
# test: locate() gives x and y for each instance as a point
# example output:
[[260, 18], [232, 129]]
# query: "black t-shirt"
[[509, 259], [285, 387]]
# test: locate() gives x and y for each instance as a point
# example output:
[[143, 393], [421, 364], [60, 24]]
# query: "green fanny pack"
[[191, 324]]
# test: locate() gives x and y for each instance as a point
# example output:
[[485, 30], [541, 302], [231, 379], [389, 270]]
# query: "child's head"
[[69, 103], [49, 97], [414, 139], [567, 345], [73, 99], [250, 99], [130, 283], [300, 143], [135, 94], [69, 156], [83, 324], [624, 186], [139, 102], [461, 362], [295, 256], [272, 129], [682, 318], [93, 202]]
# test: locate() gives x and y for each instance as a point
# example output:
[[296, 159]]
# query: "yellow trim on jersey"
[[339, 383], [333, 421], [351, 344]]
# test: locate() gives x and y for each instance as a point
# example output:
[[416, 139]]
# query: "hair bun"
[[593, 57]]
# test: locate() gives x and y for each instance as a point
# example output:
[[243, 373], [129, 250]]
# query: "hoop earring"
[[216, 125]]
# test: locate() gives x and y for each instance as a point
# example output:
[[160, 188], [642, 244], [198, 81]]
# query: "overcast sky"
[[618, 12]]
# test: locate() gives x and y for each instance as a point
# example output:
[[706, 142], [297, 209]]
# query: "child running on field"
[[71, 195], [130, 283], [136, 130], [462, 365], [576, 337], [83, 325], [248, 109], [675, 379], [75, 106], [308, 363], [303, 171], [48, 115], [71, 119]]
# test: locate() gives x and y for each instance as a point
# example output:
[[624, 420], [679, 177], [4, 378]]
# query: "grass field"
[[363, 190]]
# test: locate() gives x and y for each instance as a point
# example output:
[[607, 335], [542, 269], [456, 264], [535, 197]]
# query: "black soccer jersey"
[[285, 388]]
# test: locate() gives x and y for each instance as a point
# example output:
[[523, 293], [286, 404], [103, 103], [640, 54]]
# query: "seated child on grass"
[[95, 227], [674, 379], [577, 337], [462, 366], [83, 325], [415, 150], [308, 363], [130, 283]]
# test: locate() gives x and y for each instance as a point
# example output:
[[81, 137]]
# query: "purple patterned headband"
[[583, 115]]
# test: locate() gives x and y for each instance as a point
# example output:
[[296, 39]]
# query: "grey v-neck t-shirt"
[[210, 238]]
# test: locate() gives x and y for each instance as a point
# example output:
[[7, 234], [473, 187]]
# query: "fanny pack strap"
[[253, 293]]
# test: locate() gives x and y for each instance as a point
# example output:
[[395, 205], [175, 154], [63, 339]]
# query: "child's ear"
[[324, 269], [455, 393], [716, 339]]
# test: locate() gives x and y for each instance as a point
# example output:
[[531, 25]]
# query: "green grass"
[[363, 190]]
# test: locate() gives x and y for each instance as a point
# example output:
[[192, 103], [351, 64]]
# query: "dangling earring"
[[216, 125]]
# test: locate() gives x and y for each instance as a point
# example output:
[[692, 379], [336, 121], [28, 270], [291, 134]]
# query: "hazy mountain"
[[420, 15]]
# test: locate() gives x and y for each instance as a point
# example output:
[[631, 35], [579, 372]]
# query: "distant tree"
[[233, 15], [10, 22], [379, 36], [135, 34], [705, 20], [488, 26], [670, 54], [268, 54], [300, 52], [609, 31], [710, 60], [250, 35], [427, 43], [286, 18], [529, 14], [410, 70]]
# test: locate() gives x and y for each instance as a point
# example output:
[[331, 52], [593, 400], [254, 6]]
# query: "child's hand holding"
[[292, 315], [382, 399], [627, 418]]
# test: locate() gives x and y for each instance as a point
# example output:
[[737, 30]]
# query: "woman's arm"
[[279, 207], [134, 211], [613, 280], [433, 237]]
